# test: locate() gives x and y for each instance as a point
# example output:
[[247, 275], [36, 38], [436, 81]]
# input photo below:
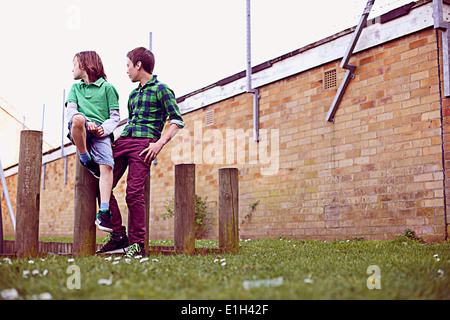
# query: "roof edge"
[[384, 18]]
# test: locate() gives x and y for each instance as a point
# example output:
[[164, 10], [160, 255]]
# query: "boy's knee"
[[106, 169], [78, 120], [133, 198]]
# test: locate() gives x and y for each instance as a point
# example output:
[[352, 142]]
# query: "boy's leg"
[[106, 183], [102, 154], [138, 170], [120, 166], [116, 217], [103, 220], [78, 132], [79, 136], [118, 241]]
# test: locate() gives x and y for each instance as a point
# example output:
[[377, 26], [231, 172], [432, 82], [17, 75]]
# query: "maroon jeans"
[[126, 154]]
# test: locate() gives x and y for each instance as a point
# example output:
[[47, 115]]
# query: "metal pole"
[[250, 89], [150, 47], [8, 200], [62, 123], [249, 49], [441, 24], [1, 227], [345, 65], [43, 117], [150, 41]]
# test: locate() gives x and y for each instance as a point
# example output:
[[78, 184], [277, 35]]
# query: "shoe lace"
[[107, 238], [132, 249], [102, 213]]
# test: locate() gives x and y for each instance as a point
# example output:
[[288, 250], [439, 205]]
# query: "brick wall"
[[373, 173], [56, 215]]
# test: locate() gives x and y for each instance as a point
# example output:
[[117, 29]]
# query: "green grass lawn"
[[263, 269]]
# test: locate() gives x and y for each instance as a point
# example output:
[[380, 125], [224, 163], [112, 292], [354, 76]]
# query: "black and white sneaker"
[[103, 220], [115, 243], [135, 250], [92, 166]]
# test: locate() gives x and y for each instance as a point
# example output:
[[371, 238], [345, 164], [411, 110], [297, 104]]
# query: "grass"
[[56, 239], [294, 269]]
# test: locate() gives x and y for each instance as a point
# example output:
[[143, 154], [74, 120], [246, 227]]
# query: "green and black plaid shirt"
[[149, 107]]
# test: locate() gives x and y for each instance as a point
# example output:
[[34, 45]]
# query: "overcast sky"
[[196, 43]]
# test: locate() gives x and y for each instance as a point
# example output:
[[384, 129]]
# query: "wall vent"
[[209, 118], [329, 79]]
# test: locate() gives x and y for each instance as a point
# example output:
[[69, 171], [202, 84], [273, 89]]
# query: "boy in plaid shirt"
[[149, 106]]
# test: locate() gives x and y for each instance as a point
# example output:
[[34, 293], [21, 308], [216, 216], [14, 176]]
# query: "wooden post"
[[85, 210], [229, 210], [184, 222], [147, 211], [28, 194]]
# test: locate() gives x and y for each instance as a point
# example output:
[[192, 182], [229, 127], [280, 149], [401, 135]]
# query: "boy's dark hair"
[[90, 62], [143, 55]]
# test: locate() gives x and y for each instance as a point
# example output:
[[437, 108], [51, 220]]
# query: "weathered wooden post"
[[229, 210], [184, 222], [147, 211], [28, 194], [85, 210]]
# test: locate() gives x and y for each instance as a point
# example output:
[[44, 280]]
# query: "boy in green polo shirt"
[[93, 113]]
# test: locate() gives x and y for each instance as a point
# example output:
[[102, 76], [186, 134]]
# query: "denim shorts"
[[100, 149]]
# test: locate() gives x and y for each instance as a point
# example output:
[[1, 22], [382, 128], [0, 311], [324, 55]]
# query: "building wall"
[[9, 126], [375, 171]]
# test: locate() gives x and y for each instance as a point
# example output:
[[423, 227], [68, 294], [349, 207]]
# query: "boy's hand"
[[100, 132], [152, 151], [92, 127]]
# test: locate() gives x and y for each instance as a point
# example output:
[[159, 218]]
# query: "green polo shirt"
[[94, 100]]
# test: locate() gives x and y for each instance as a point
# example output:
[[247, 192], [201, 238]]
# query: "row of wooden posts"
[[86, 190]]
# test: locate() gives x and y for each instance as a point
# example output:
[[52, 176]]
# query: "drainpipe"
[[345, 65], [440, 24], [250, 89]]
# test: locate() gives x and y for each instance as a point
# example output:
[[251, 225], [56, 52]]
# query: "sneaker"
[[115, 243], [92, 166], [134, 250], [103, 220]]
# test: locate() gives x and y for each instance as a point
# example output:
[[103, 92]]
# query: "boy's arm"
[[110, 124], [72, 109], [154, 148], [170, 104], [167, 97]]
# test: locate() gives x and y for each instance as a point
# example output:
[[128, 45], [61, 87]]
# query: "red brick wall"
[[373, 173]]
